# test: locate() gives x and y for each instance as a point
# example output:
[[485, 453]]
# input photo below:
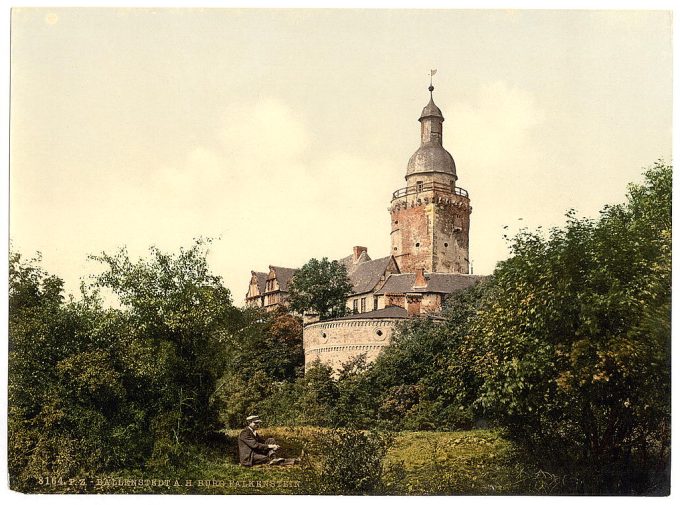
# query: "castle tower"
[[431, 215]]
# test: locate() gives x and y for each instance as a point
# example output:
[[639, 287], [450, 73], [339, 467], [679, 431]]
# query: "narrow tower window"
[[419, 186]]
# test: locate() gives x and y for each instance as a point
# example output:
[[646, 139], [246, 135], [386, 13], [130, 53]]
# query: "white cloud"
[[493, 138], [269, 198], [265, 133], [496, 127]]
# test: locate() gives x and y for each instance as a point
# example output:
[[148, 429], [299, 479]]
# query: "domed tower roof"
[[431, 155], [431, 158], [431, 109]]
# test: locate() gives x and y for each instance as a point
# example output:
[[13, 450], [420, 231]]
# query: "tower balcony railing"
[[430, 186]]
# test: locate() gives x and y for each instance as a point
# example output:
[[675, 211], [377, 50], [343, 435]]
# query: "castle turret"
[[431, 215]]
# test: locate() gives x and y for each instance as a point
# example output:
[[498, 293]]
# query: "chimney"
[[413, 304], [421, 281], [358, 249]]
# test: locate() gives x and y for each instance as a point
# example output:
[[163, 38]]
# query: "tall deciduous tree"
[[179, 315], [320, 286], [71, 409], [573, 342]]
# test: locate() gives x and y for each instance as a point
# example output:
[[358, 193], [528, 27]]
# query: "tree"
[[423, 379], [320, 286], [270, 342], [179, 315], [95, 390], [263, 357], [573, 343], [356, 404], [318, 394], [71, 411]]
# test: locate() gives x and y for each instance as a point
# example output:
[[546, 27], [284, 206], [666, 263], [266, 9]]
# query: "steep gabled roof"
[[365, 276], [436, 283], [349, 263], [283, 276], [261, 278]]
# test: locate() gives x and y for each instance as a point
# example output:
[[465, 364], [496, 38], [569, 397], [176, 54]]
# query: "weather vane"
[[432, 72]]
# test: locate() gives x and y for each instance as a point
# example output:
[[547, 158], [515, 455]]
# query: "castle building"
[[431, 215], [269, 290], [429, 259]]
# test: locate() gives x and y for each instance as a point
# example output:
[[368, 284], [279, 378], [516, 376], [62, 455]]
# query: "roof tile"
[[436, 283]]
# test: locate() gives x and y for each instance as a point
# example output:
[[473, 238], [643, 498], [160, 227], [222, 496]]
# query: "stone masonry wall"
[[412, 237], [336, 342], [431, 232], [451, 236]]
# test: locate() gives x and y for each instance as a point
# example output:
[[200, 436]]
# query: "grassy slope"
[[465, 462], [443, 463]]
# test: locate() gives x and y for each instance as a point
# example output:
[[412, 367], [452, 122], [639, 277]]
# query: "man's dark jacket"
[[251, 446]]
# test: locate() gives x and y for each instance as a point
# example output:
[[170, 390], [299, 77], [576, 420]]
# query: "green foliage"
[[286, 358], [321, 287], [263, 358], [352, 462], [423, 379], [355, 406], [97, 390], [270, 342], [179, 312], [576, 338], [70, 413], [237, 397], [318, 393]]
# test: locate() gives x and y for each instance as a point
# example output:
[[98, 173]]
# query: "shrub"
[[352, 462]]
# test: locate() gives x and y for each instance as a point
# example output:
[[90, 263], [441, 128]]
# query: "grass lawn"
[[464, 462], [478, 462]]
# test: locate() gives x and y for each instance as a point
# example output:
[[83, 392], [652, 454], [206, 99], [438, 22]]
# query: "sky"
[[284, 132]]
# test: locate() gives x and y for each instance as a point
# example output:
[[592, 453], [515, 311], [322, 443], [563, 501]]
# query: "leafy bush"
[[95, 390], [318, 393], [352, 462], [575, 334]]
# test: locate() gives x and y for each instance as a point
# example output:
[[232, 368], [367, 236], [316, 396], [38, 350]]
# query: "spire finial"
[[431, 87]]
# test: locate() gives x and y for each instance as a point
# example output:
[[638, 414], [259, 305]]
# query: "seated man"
[[253, 449]]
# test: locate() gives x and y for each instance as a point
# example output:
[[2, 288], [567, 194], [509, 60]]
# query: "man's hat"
[[253, 419]]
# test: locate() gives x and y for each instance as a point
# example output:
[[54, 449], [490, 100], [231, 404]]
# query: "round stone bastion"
[[337, 341]]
